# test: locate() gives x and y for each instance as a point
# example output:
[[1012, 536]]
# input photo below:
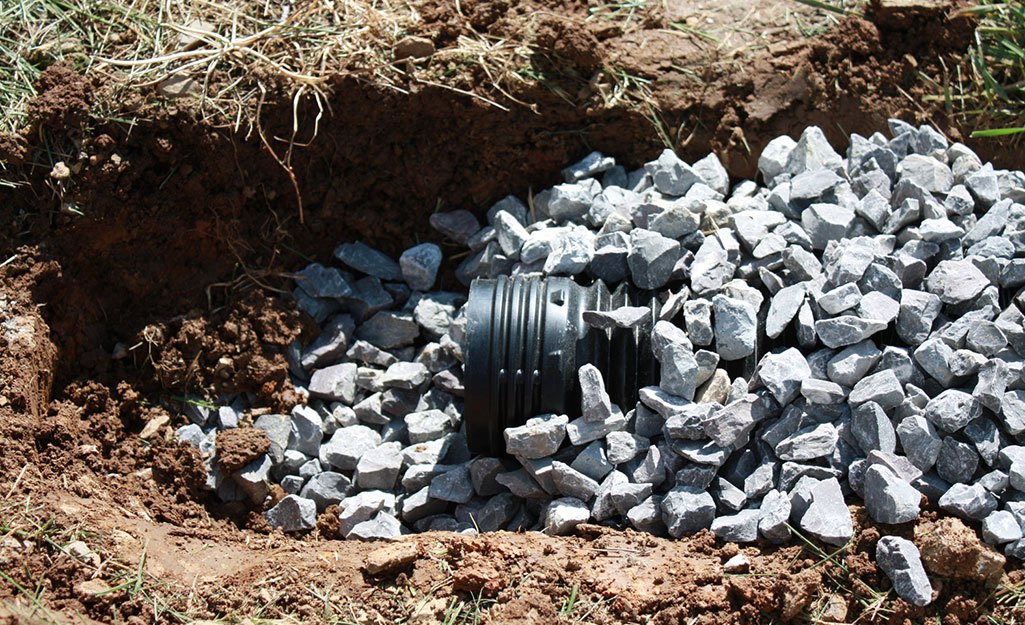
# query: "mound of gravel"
[[873, 300]]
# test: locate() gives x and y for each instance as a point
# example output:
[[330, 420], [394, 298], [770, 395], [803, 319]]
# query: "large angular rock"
[[538, 437], [968, 501], [293, 514], [846, 330], [679, 371], [900, 560], [711, 268], [564, 515], [736, 327], [670, 175], [366, 259], [419, 265], [652, 258], [687, 509], [888, 498], [783, 372], [347, 445], [827, 517], [335, 383], [825, 223], [951, 410]]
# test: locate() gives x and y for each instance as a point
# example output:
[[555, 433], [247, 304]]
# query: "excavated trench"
[[173, 278]]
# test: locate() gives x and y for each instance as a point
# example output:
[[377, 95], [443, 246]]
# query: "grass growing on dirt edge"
[[986, 89], [43, 558]]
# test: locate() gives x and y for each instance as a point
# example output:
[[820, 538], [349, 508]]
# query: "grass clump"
[[989, 85]]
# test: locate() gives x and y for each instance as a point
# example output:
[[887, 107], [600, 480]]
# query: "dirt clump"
[[65, 98], [237, 447], [240, 349], [391, 557], [951, 549]]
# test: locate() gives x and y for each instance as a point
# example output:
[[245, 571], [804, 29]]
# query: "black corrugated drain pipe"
[[525, 340]]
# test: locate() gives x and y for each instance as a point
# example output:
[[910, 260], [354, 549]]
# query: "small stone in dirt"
[[899, 559], [419, 266], [391, 557], [366, 259], [737, 564], [564, 515], [293, 514]]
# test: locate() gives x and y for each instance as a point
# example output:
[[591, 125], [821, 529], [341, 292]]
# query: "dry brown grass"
[[226, 56]]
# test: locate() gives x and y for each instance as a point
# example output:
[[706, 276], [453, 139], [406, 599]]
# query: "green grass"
[[992, 80]]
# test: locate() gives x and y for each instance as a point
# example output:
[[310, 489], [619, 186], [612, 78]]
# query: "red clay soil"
[[185, 237]]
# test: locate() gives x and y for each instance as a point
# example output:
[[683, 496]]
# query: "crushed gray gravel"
[[851, 330]]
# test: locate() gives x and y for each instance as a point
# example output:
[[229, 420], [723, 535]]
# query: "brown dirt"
[[188, 231], [238, 446]]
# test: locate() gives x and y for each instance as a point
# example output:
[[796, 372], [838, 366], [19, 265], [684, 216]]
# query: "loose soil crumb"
[[238, 446], [951, 549]]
